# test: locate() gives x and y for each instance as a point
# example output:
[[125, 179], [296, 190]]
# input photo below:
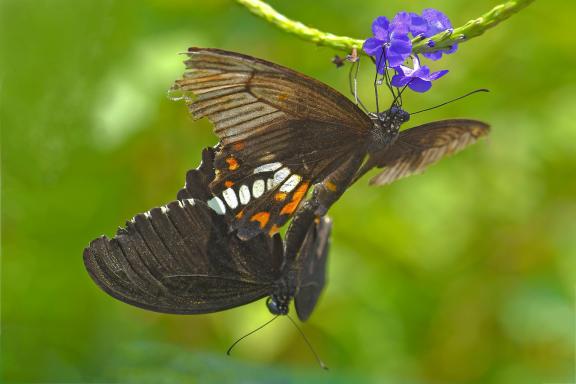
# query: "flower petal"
[[406, 71], [437, 21], [395, 59], [400, 44], [423, 72], [438, 18], [401, 70], [436, 75], [418, 25], [433, 55], [401, 23], [452, 49], [372, 46], [419, 85], [399, 80], [380, 28]]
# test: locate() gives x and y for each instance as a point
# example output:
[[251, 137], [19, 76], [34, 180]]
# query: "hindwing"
[[181, 258]]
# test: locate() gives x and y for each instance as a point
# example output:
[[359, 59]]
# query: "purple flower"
[[418, 79], [390, 35], [418, 25], [436, 22]]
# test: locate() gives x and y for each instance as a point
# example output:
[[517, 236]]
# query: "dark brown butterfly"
[[182, 258], [282, 132]]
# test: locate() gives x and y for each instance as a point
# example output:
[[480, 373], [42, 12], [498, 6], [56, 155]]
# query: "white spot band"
[[230, 197], [258, 188], [268, 167], [217, 205], [244, 194], [291, 183]]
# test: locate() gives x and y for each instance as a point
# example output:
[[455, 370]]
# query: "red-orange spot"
[[330, 186], [240, 214], [289, 208], [273, 230], [228, 183], [238, 146], [262, 218], [282, 97], [232, 163], [280, 196], [300, 192]]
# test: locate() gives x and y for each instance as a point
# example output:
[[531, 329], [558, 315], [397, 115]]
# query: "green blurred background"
[[465, 274]]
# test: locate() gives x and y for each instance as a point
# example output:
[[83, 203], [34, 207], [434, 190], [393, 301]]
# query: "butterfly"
[[281, 133], [182, 258]]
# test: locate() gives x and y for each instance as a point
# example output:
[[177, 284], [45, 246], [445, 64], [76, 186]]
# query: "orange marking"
[[282, 97], [280, 196], [228, 183], [289, 208], [330, 186], [300, 192], [240, 214], [232, 163], [262, 218], [273, 230], [238, 146]]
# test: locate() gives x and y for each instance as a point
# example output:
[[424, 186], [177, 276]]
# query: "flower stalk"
[[442, 40]]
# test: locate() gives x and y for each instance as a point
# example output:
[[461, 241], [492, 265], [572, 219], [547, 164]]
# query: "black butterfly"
[[182, 258], [282, 132]]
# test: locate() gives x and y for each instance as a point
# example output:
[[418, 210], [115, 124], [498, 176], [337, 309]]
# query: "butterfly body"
[[278, 302], [283, 134], [386, 128]]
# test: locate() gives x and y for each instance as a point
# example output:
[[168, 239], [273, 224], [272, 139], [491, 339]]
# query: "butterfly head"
[[387, 124], [393, 116], [278, 304]]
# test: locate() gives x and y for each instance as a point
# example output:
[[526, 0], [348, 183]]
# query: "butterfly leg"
[[353, 83]]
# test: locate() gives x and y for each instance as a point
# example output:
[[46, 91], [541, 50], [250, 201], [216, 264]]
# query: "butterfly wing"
[[280, 133], [180, 258], [199, 179], [418, 147], [312, 259]]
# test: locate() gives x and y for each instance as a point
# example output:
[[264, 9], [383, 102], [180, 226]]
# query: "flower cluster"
[[391, 46]]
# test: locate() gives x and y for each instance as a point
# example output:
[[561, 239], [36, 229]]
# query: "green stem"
[[442, 40]]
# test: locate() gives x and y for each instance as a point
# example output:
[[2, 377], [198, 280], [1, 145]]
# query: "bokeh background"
[[465, 274]]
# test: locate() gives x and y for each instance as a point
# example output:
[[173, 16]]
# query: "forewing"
[[417, 148], [242, 95], [180, 258], [272, 119], [312, 262]]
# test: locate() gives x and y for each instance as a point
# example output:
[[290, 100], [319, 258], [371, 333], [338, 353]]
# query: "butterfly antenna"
[[450, 101], [320, 362], [399, 96], [386, 75], [249, 333]]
